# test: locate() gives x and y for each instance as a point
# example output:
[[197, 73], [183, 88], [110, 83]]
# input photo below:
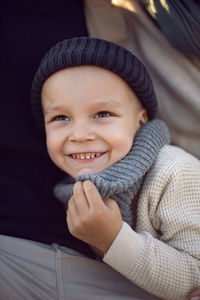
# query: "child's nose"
[[81, 132]]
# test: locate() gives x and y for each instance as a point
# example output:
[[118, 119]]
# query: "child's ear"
[[143, 118]]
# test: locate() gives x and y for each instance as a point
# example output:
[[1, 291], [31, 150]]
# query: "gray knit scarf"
[[123, 180]]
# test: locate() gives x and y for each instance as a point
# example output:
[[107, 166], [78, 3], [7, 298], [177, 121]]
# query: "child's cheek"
[[54, 146]]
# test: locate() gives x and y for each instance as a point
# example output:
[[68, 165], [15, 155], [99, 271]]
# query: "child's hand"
[[91, 219]]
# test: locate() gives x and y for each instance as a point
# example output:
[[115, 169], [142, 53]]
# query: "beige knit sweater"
[[163, 255]]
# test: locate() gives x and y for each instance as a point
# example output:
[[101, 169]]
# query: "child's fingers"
[[68, 218], [79, 198], [72, 207], [89, 217], [93, 197], [71, 213], [74, 217]]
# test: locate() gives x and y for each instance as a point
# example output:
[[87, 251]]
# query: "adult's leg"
[[34, 271], [27, 270], [82, 278]]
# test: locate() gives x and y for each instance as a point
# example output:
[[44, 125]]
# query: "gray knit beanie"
[[96, 52]]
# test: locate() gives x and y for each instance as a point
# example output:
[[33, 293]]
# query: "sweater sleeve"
[[164, 261]]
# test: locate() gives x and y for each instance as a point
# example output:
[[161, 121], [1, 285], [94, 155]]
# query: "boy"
[[99, 107]]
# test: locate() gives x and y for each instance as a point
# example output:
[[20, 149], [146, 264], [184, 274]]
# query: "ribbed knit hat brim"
[[96, 52]]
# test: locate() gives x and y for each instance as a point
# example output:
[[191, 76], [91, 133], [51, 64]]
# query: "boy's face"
[[91, 116]]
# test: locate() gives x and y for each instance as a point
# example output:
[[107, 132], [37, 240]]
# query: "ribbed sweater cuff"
[[128, 242]]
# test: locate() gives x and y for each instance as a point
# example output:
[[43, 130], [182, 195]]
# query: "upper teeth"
[[85, 155]]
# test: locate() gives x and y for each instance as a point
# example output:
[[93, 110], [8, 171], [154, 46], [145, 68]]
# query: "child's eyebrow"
[[96, 104], [109, 102], [52, 108]]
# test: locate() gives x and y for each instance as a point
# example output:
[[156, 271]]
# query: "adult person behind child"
[[165, 36]]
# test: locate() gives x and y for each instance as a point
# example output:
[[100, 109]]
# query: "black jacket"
[[28, 208]]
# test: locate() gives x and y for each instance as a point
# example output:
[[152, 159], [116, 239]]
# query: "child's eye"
[[102, 114], [61, 118]]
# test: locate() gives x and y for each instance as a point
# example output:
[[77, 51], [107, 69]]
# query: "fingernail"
[[195, 298]]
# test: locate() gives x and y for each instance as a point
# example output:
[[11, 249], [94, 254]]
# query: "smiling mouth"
[[86, 155]]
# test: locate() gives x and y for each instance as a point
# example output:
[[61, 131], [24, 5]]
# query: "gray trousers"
[[36, 271]]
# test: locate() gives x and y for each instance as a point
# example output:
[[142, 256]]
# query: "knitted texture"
[[96, 52], [123, 180], [163, 255]]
